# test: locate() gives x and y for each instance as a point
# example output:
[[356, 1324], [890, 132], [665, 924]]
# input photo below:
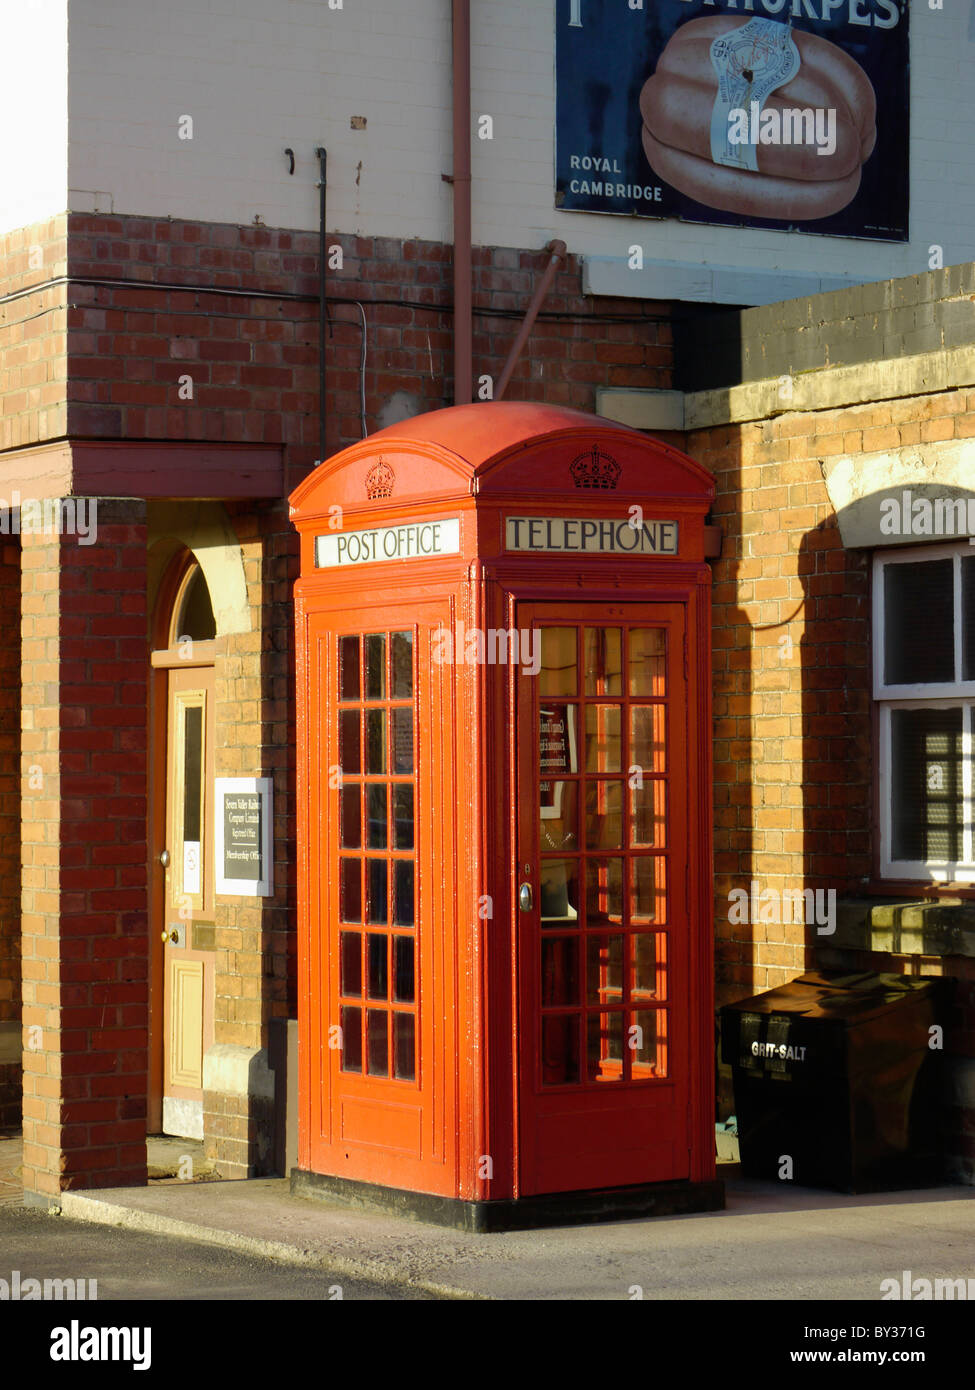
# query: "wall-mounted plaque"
[[244, 819]]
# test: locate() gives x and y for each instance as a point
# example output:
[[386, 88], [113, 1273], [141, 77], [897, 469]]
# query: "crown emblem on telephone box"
[[380, 480], [595, 469]]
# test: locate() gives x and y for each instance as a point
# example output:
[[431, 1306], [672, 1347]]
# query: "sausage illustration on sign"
[[759, 119]]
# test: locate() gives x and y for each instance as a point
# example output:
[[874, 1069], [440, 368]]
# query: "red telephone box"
[[504, 820]]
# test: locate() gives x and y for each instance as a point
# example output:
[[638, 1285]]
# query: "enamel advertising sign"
[[757, 113]]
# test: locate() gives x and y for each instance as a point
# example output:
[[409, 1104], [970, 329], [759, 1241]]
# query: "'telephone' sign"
[[586, 535], [414, 540]]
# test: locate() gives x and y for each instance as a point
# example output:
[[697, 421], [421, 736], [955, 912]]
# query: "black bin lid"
[[836, 996]]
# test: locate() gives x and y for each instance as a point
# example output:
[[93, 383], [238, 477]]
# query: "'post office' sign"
[[413, 540]]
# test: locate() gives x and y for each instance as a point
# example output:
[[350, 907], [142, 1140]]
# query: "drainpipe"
[[556, 254], [322, 298], [463, 296]]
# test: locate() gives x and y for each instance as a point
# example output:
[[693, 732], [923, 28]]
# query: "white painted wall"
[[33, 111], [258, 75]]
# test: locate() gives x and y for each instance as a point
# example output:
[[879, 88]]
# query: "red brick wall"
[[32, 335], [254, 360], [793, 740], [85, 926]]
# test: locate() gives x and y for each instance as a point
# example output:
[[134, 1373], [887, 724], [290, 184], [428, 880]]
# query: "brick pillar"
[[85, 904], [10, 1067]]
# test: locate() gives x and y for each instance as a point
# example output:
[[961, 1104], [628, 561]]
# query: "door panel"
[[603, 933], [186, 1025]]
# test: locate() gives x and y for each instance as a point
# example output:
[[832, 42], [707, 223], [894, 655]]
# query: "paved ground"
[[772, 1242]]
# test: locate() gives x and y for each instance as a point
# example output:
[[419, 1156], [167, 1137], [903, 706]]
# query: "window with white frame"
[[924, 683]]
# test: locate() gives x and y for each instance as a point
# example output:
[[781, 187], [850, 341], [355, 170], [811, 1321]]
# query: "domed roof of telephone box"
[[502, 447]]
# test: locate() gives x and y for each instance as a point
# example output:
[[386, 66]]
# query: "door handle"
[[525, 900], [164, 859], [171, 935]]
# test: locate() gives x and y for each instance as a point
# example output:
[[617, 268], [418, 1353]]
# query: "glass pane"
[[376, 825], [648, 966], [351, 1024], [560, 970], [402, 740], [602, 660], [403, 904], [375, 741], [349, 741], [968, 618], [376, 904], [604, 891], [403, 979], [604, 742], [918, 626], [348, 668], [350, 890], [560, 1049], [604, 815], [647, 747], [648, 1039], [376, 667], [378, 974], [196, 619], [377, 1033], [402, 817], [648, 661], [559, 816], [557, 675], [192, 766], [648, 895], [351, 968], [558, 892], [402, 660], [404, 1047], [604, 969], [557, 755], [926, 775], [648, 814], [351, 803], [604, 1047]]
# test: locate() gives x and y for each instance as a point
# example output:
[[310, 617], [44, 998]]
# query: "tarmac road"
[[138, 1265]]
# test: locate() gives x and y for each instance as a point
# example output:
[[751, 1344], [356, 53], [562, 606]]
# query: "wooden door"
[[188, 984], [602, 899]]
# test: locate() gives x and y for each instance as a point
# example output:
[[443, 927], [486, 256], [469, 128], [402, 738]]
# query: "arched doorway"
[[182, 958]]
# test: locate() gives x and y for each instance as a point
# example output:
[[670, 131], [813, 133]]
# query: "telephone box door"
[[601, 893], [381, 1027]]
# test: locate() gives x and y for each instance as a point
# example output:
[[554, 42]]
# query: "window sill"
[[904, 926]]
